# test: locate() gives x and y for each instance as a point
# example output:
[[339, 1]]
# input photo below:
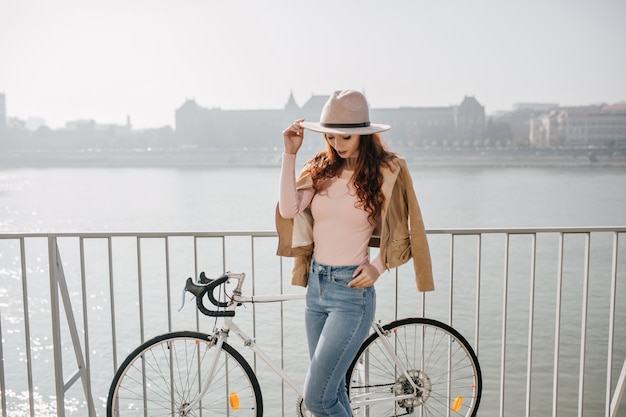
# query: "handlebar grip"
[[199, 291]]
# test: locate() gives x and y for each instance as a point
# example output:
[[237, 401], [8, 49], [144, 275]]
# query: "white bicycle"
[[409, 367]]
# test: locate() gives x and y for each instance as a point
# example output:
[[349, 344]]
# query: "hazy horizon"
[[106, 60]]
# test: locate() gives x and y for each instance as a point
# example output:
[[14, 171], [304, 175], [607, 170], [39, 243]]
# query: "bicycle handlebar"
[[199, 291]]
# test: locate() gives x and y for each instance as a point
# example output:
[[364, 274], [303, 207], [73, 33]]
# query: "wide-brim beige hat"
[[345, 113]]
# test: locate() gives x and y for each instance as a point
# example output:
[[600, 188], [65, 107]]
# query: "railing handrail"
[[266, 233]]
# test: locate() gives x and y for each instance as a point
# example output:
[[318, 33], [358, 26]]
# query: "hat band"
[[346, 125]]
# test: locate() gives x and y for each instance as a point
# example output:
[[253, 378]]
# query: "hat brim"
[[372, 128]]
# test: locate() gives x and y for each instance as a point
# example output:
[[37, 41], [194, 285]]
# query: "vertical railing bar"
[[451, 282], [223, 238], [396, 295], [29, 362], [83, 285], [282, 290], [168, 288], [3, 388], [195, 275], [478, 282], [282, 341], [56, 328], [450, 314], [505, 295], [282, 314], [141, 322], [531, 321], [557, 327], [583, 330], [197, 315], [396, 306], [140, 291], [282, 331], [112, 297], [612, 300], [423, 295]]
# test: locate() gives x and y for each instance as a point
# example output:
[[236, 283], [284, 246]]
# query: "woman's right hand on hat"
[[292, 137]]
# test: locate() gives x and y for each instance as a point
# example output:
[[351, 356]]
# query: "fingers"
[[294, 129], [364, 276], [292, 137]]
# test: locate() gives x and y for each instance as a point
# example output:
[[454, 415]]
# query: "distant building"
[[603, 125], [542, 107], [513, 128], [469, 121], [89, 126], [34, 123], [462, 125]]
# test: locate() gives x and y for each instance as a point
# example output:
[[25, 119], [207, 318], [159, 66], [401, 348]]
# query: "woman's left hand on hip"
[[364, 276]]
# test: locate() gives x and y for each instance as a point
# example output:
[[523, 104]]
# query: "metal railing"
[[543, 308]]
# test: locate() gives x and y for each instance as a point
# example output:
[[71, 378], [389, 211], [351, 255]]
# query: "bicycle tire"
[[165, 373], [438, 359]]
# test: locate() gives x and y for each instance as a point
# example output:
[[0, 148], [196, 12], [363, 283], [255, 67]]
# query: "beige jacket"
[[400, 234]]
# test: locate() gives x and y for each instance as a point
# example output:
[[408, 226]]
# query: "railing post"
[[619, 391], [56, 326], [58, 285], [3, 390]]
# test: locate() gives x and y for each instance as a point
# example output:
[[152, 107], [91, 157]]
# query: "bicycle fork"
[[218, 341]]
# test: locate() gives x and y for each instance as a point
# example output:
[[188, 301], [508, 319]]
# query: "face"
[[347, 146]]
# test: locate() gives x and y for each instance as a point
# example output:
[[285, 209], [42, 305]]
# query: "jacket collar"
[[390, 174], [304, 181]]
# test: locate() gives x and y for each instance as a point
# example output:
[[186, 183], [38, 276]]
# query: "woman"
[[352, 195]]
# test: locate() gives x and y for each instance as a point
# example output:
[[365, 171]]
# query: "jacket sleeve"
[[420, 250]]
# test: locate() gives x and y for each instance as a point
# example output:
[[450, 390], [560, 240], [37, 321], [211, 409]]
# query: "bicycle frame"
[[220, 336]]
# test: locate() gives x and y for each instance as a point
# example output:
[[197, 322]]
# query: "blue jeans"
[[338, 319]]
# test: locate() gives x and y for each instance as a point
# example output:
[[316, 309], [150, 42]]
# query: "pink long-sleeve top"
[[341, 230]]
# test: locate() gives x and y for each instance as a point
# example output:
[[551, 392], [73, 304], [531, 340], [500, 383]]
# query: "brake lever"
[[183, 299], [183, 294]]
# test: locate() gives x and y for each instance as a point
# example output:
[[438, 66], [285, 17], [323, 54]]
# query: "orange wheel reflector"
[[456, 405], [233, 400]]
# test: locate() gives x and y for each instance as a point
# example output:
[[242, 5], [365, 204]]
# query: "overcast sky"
[[64, 60]]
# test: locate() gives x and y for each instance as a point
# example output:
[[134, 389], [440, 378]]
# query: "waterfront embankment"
[[210, 158]]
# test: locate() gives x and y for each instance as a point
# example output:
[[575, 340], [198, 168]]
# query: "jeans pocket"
[[341, 280]]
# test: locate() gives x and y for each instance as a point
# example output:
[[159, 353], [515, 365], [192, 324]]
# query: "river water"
[[152, 199]]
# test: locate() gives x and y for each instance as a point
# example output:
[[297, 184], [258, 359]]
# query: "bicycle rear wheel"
[[165, 374], [439, 361]]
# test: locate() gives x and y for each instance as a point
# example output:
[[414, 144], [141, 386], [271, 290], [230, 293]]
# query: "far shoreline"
[[270, 158]]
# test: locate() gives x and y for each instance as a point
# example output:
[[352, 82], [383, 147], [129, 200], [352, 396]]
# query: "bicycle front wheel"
[[437, 358], [165, 374]]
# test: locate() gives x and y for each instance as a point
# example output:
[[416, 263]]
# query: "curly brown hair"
[[367, 178]]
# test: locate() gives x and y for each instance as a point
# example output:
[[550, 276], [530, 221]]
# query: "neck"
[[349, 164]]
